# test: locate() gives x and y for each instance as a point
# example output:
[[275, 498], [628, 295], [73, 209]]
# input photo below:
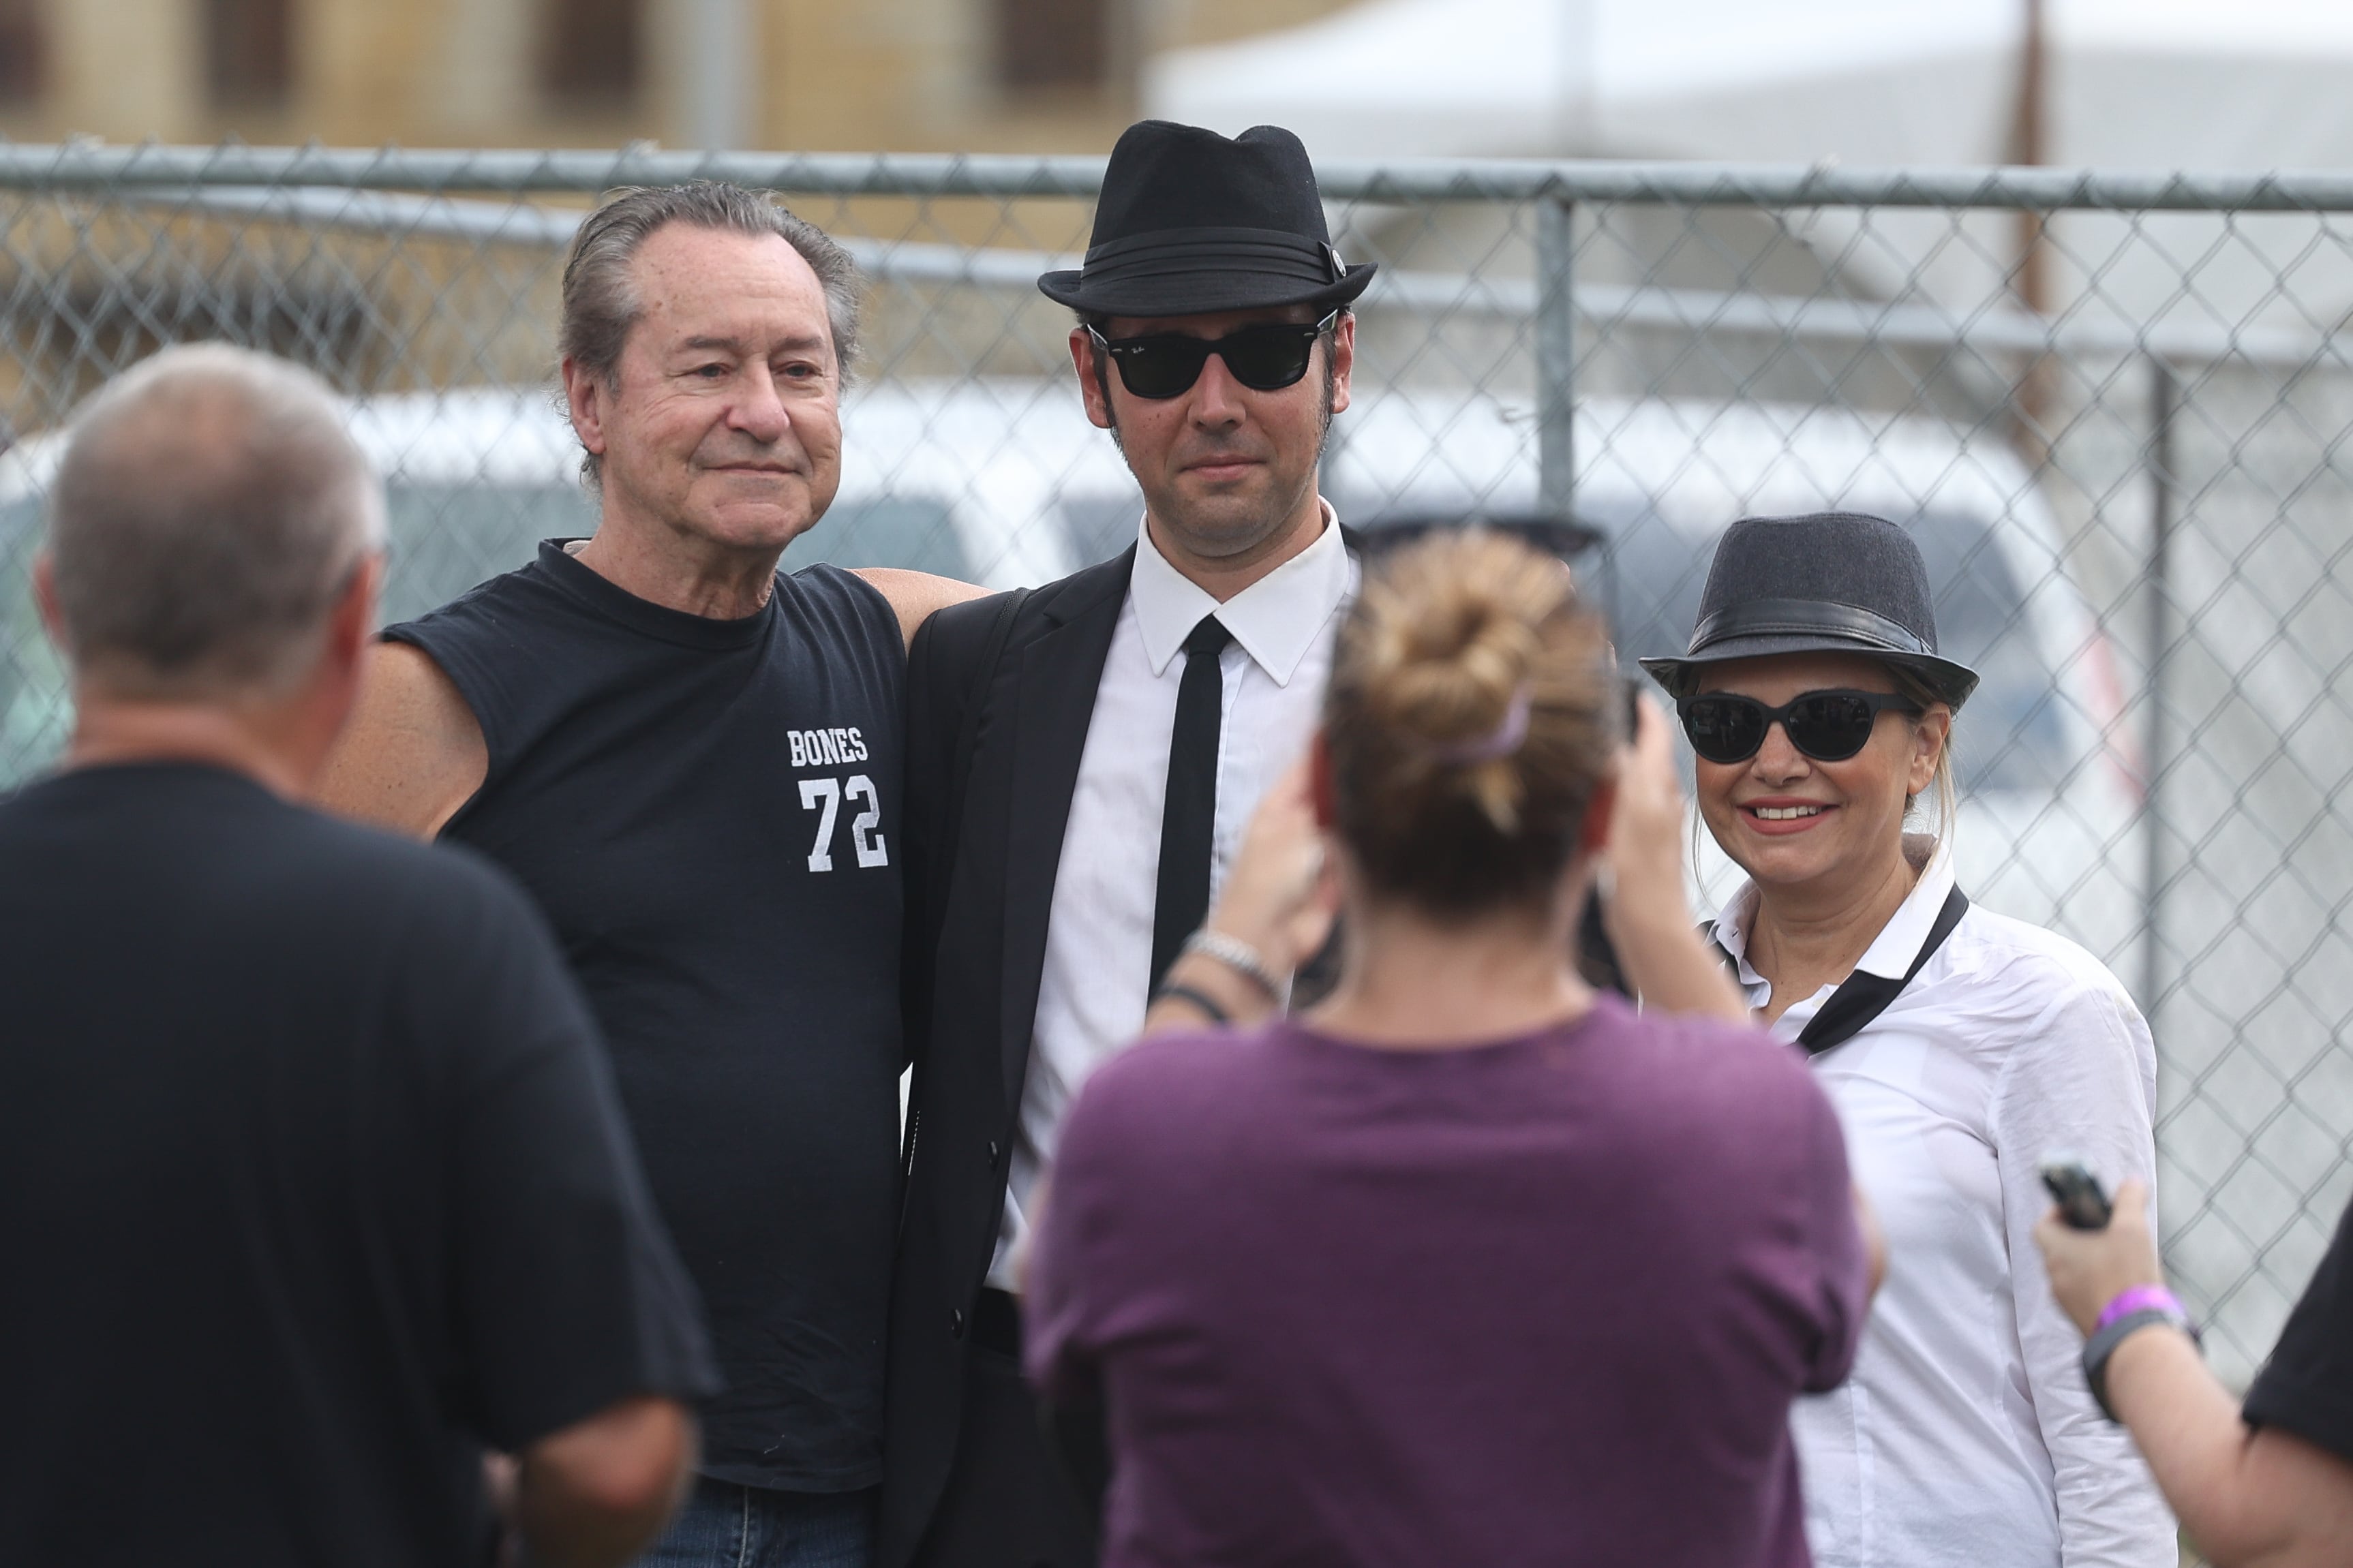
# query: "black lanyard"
[[1865, 996]]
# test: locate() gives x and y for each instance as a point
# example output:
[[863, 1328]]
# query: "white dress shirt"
[[1092, 994], [1965, 1438]]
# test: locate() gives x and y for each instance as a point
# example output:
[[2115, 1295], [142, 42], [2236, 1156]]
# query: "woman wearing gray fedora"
[[1960, 1048]]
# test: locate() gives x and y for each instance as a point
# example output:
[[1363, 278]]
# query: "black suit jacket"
[[993, 749]]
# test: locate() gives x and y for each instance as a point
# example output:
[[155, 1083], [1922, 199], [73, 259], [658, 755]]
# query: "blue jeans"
[[723, 1525]]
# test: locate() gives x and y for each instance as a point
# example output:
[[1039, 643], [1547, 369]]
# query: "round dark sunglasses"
[[1266, 358], [1827, 726]]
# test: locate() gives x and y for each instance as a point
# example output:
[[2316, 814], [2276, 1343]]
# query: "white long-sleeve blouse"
[[1965, 1436]]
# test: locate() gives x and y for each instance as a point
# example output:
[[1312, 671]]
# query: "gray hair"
[[601, 304], [209, 511]]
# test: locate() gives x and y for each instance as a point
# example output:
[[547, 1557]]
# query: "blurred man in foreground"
[[692, 760], [312, 1184], [2268, 1483]]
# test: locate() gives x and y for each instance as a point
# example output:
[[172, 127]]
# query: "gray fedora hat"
[[1831, 582]]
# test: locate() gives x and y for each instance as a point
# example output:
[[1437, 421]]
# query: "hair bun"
[[1445, 664], [1467, 721]]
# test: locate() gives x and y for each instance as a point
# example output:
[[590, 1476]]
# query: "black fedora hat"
[[1831, 581], [1190, 223]]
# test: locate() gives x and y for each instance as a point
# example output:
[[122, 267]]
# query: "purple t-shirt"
[[1541, 1302]]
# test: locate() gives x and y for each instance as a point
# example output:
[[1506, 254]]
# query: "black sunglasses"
[[1827, 726], [1266, 358]]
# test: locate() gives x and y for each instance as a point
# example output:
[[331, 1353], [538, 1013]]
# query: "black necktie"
[[1862, 997], [1188, 813]]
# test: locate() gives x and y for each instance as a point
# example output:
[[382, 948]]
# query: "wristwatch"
[[1244, 959]]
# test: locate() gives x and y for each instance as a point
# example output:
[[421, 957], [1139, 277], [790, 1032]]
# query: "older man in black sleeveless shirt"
[[693, 761]]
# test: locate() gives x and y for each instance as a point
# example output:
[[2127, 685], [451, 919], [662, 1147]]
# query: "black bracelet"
[[1200, 999], [2102, 1344]]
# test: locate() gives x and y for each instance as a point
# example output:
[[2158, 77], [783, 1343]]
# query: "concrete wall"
[[909, 75]]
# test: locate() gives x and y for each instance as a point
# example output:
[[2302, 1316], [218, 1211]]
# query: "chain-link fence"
[[2112, 409]]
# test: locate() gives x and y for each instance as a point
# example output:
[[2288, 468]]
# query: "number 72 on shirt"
[[824, 796]]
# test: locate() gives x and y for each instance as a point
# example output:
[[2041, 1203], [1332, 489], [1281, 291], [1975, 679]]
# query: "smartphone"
[[1596, 956], [2081, 1202], [1633, 698]]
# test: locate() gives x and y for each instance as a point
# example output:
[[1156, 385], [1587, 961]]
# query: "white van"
[[1004, 482]]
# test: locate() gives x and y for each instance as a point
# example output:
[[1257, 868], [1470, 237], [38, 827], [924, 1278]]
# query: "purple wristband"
[[2140, 1298]]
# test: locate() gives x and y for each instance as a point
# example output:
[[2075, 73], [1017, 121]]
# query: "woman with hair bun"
[[1469, 1264], [1962, 1049]]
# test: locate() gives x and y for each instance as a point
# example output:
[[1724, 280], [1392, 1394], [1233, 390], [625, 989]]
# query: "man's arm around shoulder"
[[914, 595], [412, 752]]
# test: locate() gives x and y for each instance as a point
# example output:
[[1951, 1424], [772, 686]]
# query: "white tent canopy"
[[2132, 84]]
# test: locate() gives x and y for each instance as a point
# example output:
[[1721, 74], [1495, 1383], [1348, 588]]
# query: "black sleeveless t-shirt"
[[708, 811]]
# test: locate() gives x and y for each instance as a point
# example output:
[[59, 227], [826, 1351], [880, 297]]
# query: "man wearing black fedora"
[[1082, 761]]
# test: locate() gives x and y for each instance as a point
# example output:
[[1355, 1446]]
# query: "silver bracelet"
[[1244, 959]]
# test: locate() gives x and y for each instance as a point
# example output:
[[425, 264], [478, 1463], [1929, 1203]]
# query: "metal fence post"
[[1556, 358], [2164, 395]]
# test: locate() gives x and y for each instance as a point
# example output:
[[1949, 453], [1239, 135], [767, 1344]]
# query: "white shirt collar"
[[1276, 619], [1891, 953]]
